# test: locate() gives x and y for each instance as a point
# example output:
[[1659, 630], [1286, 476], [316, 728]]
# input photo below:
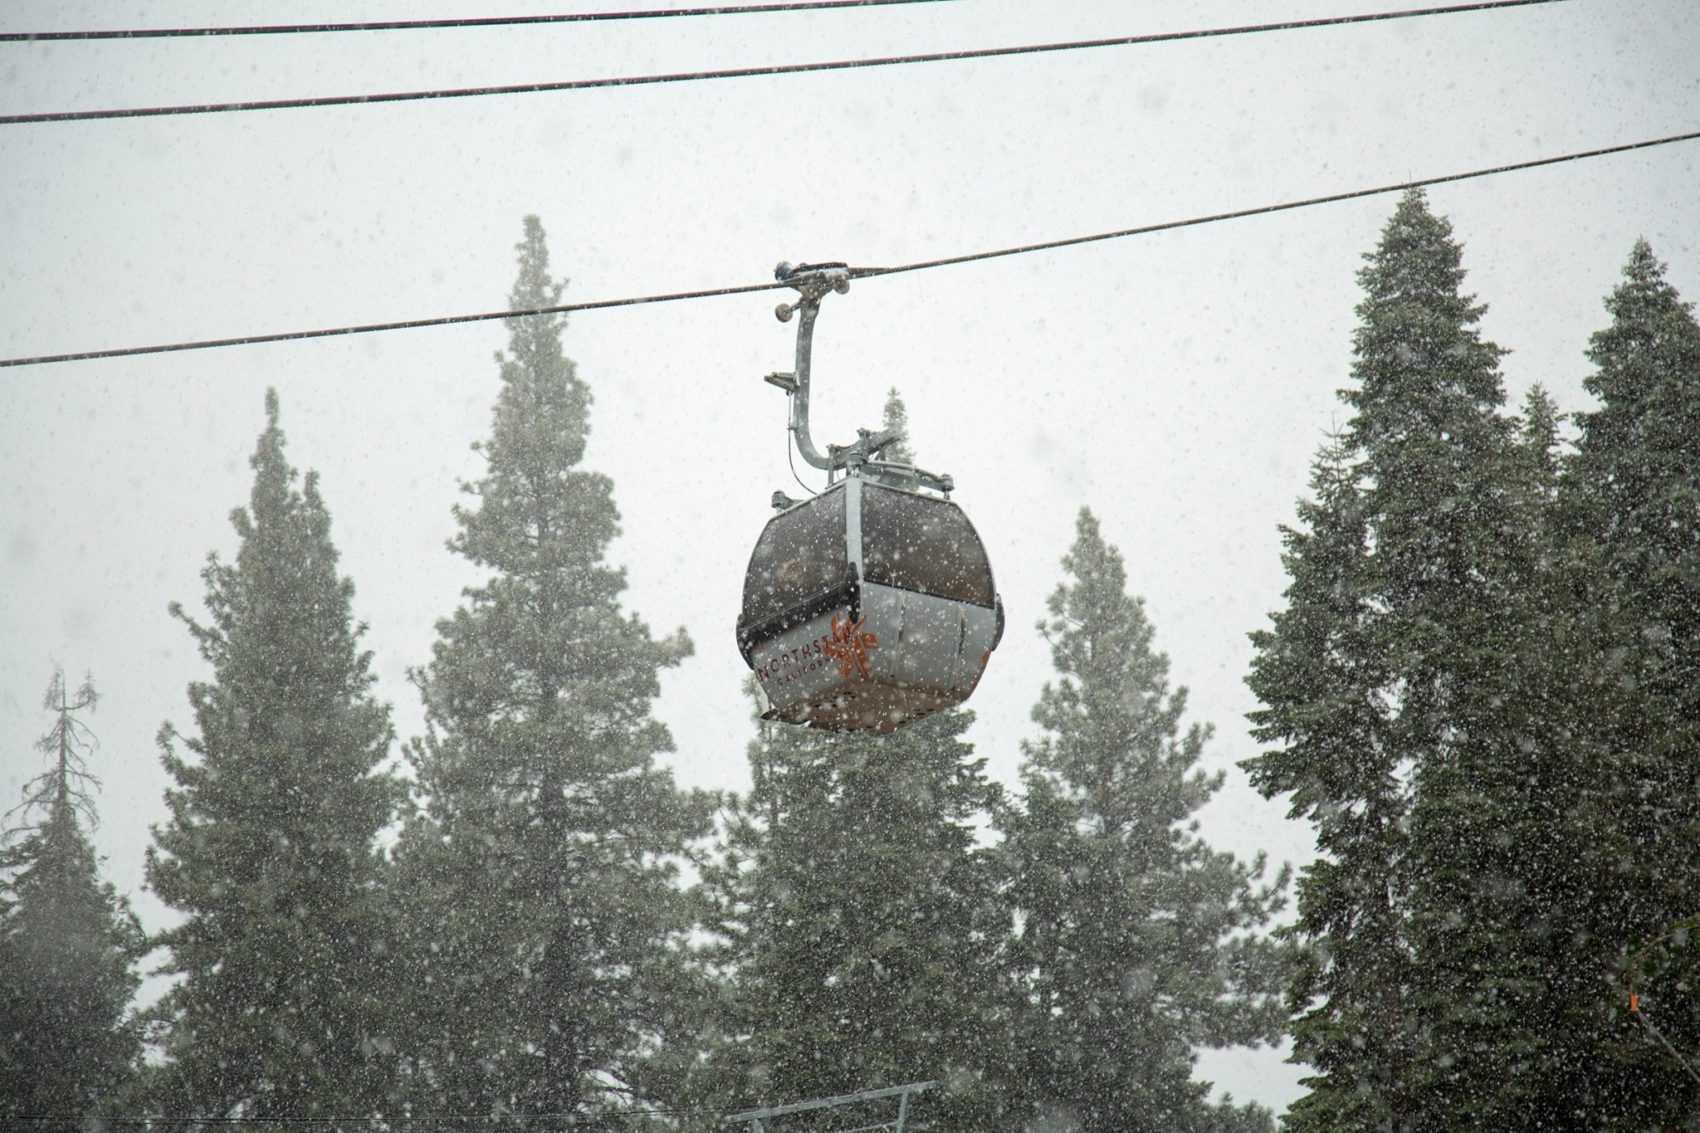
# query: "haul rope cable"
[[450, 23], [746, 72], [857, 273]]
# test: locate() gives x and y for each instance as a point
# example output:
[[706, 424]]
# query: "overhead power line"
[[1261, 210], [447, 24], [373, 328], [323, 101], [855, 273]]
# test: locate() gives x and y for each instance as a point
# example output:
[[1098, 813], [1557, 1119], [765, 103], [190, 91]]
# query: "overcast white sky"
[[1178, 384]]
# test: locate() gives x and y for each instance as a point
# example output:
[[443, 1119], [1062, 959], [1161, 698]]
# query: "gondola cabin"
[[868, 606]]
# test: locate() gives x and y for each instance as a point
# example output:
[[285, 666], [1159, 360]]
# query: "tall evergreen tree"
[[1524, 944], [858, 917], [1496, 813], [547, 910], [1317, 673], [1632, 490], [67, 943], [271, 853], [897, 417], [1634, 475], [1390, 684], [1138, 942]]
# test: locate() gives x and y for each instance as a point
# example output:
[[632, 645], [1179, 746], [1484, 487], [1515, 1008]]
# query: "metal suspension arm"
[[812, 282], [808, 307]]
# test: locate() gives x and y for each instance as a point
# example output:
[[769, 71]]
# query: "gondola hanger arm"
[[812, 283]]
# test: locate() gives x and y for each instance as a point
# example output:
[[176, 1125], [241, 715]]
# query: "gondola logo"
[[850, 646]]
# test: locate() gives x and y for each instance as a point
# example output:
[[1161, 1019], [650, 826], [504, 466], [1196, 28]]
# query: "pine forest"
[[1479, 693]]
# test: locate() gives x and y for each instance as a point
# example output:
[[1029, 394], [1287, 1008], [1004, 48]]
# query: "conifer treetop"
[[1112, 722], [540, 428], [271, 849], [897, 417], [285, 549], [1541, 422], [1137, 942], [1653, 336], [1418, 345], [67, 782], [68, 943], [542, 894]]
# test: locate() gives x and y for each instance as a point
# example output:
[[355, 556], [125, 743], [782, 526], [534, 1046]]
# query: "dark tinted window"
[[799, 554], [920, 543]]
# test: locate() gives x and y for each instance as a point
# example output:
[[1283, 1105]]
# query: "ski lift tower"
[[756, 1117]]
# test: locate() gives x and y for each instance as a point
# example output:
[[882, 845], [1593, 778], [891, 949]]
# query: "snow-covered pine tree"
[[271, 855], [863, 917], [897, 417], [1517, 933], [1456, 505], [544, 902], [68, 943], [1635, 476], [1316, 672], [1633, 490], [1501, 832], [1391, 684], [1138, 943]]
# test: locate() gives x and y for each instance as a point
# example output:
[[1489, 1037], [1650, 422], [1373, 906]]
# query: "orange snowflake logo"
[[851, 646]]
